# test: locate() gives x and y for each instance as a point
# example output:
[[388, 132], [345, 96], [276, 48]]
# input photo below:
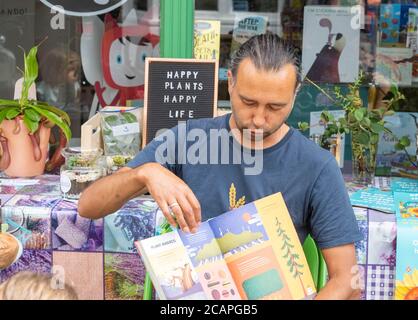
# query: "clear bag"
[[121, 131]]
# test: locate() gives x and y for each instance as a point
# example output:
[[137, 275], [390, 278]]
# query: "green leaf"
[[394, 89], [374, 138], [30, 124], [12, 113], [376, 127], [405, 141], [32, 115], [53, 109], [399, 146], [303, 126], [3, 114], [362, 138], [54, 119], [366, 122], [30, 73], [9, 103], [31, 66], [325, 116], [332, 129], [358, 114]]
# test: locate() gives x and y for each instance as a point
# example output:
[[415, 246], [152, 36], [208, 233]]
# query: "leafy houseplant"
[[25, 126], [363, 123]]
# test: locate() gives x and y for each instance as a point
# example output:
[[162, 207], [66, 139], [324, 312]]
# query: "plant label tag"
[[125, 129]]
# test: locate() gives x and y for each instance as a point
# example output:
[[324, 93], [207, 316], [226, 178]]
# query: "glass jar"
[[81, 169]]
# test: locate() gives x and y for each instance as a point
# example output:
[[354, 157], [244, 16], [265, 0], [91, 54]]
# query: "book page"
[[170, 268], [208, 262], [286, 245], [257, 258]]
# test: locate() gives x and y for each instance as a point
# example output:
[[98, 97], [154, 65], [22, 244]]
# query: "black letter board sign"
[[178, 90]]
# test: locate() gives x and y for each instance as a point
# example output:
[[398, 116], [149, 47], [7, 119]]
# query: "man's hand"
[[172, 195]]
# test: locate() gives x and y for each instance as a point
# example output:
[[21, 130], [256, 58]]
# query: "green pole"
[[147, 288], [176, 28]]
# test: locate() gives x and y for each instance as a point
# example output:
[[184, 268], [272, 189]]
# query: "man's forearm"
[[109, 194]]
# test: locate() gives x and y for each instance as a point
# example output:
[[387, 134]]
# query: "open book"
[[252, 252]]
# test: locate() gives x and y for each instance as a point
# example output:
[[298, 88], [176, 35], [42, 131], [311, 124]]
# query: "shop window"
[[76, 72], [335, 41], [209, 5], [381, 37], [255, 5]]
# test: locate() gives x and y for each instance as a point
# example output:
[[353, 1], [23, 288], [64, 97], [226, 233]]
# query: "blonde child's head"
[[9, 250], [33, 286]]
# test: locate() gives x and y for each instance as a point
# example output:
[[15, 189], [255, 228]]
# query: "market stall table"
[[99, 258]]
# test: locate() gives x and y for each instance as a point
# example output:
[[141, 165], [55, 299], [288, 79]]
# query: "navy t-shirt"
[[307, 176]]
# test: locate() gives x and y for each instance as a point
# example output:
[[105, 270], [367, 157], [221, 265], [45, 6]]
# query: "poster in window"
[[390, 161], [394, 65], [245, 27], [390, 16], [330, 44], [207, 39], [412, 39]]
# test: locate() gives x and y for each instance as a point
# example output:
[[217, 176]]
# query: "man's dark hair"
[[267, 52]]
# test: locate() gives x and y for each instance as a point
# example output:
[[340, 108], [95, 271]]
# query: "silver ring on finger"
[[174, 204]]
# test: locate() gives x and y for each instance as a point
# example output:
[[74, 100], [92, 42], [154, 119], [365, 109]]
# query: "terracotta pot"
[[25, 161]]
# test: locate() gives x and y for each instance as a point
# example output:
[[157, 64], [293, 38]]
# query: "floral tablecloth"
[[99, 259]]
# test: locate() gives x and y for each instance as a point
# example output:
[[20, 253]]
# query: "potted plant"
[[364, 123], [25, 126]]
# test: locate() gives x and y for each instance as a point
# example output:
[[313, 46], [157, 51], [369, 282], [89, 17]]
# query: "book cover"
[[390, 161], [406, 205], [412, 39], [170, 268], [252, 252], [406, 246], [393, 65], [412, 28], [207, 39], [407, 260], [381, 242], [330, 44], [373, 198], [245, 27], [404, 185], [390, 19]]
